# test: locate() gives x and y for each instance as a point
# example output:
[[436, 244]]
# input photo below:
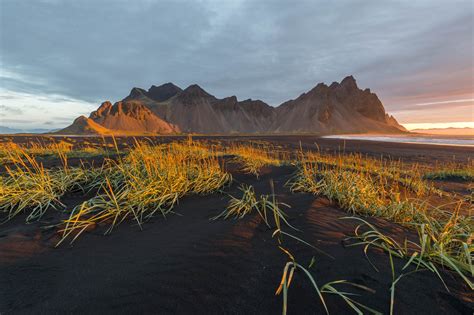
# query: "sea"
[[452, 141]]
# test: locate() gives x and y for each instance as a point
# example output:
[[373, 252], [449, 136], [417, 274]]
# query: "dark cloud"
[[273, 50]]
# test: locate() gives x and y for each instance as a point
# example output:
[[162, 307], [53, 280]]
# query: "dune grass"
[[393, 172], [148, 181], [452, 171], [266, 206], [255, 156], [145, 178], [29, 186], [445, 236], [239, 208], [293, 266], [54, 149], [435, 247]]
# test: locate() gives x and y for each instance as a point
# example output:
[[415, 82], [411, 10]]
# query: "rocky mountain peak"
[[258, 107], [103, 109], [136, 93], [163, 92], [194, 94], [232, 99], [195, 91], [105, 105], [80, 120], [349, 83], [320, 88], [130, 108]]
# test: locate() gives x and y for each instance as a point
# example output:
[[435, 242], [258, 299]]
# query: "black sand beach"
[[186, 263]]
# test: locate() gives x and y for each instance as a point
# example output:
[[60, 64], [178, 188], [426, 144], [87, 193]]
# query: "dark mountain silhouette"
[[338, 108], [155, 93]]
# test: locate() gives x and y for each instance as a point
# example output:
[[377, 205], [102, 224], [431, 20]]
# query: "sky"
[[61, 58]]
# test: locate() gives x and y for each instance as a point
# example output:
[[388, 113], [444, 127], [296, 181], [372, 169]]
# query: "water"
[[408, 139]]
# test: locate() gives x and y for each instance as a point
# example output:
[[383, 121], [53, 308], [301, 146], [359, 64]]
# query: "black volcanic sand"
[[187, 263]]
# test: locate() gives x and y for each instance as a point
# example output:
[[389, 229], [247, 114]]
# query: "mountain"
[[130, 115], [196, 111], [338, 108], [8, 130], [163, 92], [466, 131], [84, 126]]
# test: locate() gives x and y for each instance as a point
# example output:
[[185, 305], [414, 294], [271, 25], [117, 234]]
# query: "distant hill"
[[166, 109], [447, 131], [85, 126], [7, 130]]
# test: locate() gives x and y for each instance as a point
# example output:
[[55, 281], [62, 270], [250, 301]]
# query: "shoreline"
[[412, 139]]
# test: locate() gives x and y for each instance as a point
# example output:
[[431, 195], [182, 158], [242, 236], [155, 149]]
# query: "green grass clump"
[[51, 150], [254, 157], [28, 186], [452, 171], [459, 174], [148, 181], [445, 236], [292, 267], [358, 193], [389, 171], [265, 206], [440, 244]]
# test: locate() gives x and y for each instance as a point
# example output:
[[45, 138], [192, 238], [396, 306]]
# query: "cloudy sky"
[[60, 58]]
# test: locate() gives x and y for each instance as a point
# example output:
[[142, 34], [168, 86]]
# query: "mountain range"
[[168, 109], [8, 130], [450, 131]]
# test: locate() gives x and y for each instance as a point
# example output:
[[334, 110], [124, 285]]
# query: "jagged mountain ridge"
[[196, 111], [338, 108]]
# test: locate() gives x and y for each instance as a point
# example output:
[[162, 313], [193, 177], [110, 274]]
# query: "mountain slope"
[[84, 126]]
